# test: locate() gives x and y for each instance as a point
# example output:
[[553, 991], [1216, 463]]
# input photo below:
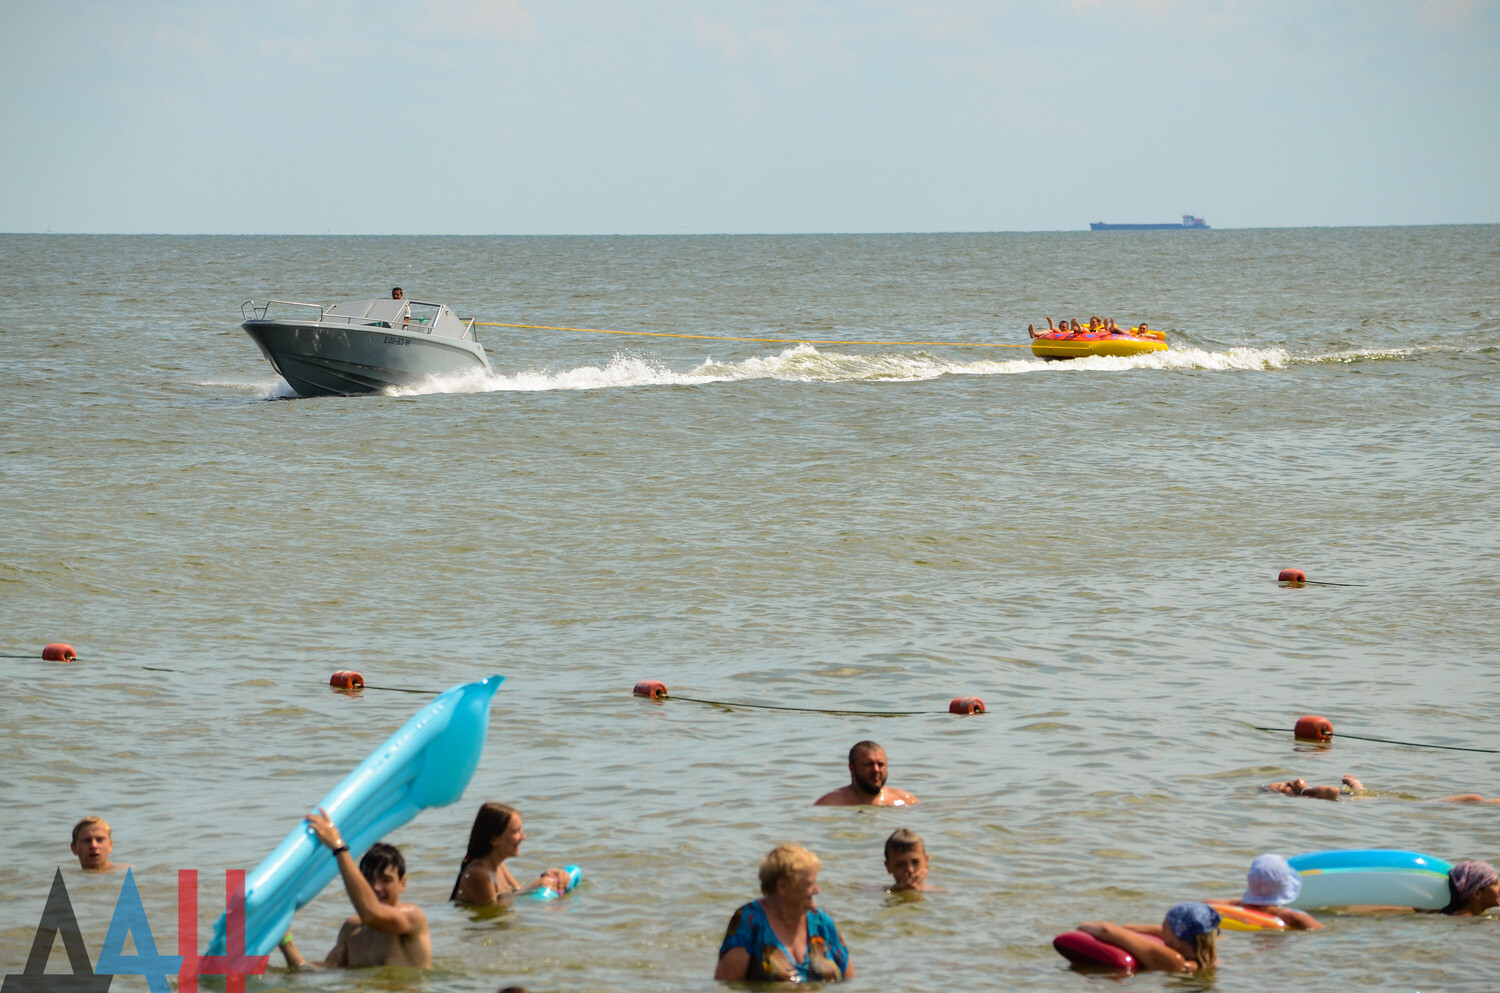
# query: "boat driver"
[[396, 293]]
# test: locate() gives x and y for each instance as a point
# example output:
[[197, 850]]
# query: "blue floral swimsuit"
[[827, 958]]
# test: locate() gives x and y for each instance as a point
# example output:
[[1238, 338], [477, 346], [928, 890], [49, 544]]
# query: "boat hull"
[[345, 360], [1119, 346]]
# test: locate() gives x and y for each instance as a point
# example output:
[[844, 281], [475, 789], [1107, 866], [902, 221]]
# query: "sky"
[[668, 116]]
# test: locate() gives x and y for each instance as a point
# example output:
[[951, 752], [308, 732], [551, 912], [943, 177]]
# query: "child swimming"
[[906, 861]]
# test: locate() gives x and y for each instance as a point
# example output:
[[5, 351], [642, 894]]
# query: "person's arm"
[[554, 879], [1322, 792], [338, 955], [405, 919], [1468, 798], [1150, 954], [294, 959], [733, 964], [1298, 920]]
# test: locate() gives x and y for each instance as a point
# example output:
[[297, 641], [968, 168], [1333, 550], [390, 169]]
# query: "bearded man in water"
[[867, 772]]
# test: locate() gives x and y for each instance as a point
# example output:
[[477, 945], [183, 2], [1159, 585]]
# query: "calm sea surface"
[[1091, 547]]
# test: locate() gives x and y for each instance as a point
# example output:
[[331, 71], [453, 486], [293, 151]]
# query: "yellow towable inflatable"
[[1080, 344]]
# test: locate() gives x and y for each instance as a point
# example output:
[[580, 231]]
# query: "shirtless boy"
[[384, 931], [92, 843], [906, 861], [867, 772]]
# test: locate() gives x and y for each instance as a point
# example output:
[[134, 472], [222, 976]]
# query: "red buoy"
[[59, 652], [1313, 728], [1292, 576], [346, 679], [652, 688], [966, 705]]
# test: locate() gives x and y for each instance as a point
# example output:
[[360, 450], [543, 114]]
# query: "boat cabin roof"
[[407, 315]]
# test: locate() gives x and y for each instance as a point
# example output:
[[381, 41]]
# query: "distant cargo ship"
[[1188, 221]]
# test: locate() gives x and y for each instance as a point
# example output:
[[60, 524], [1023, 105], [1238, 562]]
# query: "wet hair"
[[786, 862], [395, 290], [901, 841], [90, 821], [863, 746], [492, 820], [381, 857], [1206, 949]]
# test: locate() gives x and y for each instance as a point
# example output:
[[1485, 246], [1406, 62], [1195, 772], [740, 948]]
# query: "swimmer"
[[1473, 888], [396, 293], [495, 837], [384, 931], [783, 935], [1469, 798], [1189, 939], [1271, 884], [906, 861], [92, 843], [867, 774], [1299, 787]]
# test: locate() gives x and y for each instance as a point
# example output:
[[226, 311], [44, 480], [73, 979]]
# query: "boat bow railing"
[[250, 312]]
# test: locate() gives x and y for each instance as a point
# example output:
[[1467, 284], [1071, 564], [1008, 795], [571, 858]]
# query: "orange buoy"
[[966, 705], [652, 688], [346, 679], [59, 652], [1292, 576], [1313, 728]]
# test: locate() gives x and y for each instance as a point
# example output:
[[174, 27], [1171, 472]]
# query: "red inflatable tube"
[[1087, 950]]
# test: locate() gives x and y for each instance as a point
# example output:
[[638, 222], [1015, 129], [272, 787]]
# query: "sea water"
[[1091, 547]]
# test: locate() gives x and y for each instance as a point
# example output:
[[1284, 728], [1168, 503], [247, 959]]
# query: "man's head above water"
[[867, 768]]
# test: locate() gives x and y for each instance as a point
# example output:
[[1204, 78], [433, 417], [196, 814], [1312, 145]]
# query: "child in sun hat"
[[1188, 939], [1270, 885]]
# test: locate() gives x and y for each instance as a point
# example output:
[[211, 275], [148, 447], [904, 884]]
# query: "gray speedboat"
[[363, 347]]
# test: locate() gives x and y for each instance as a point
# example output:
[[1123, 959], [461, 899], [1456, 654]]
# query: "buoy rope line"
[[724, 337], [728, 705], [1391, 741], [159, 668]]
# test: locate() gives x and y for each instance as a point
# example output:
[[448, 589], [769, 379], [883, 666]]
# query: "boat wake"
[[808, 364]]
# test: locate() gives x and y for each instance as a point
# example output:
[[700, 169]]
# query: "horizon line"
[[718, 234]]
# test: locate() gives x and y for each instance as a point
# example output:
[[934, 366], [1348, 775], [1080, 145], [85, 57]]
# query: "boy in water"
[[906, 861], [92, 843], [384, 930]]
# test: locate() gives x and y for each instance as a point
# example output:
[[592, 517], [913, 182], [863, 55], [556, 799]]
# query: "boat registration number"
[[392, 339]]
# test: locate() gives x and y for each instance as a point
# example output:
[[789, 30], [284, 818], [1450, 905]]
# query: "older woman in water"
[[496, 836], [1473, 888], [1188, 934], [782, 936]]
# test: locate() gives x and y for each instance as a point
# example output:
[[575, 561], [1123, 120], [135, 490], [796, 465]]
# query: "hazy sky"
[[645, 116]]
